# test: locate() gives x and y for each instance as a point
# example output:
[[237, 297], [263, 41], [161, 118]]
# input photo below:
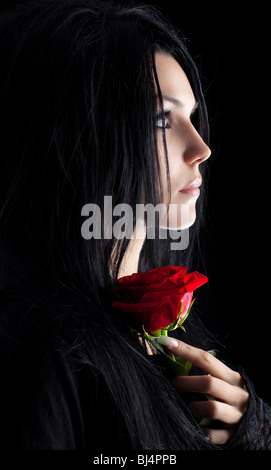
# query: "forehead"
[[173, 80]]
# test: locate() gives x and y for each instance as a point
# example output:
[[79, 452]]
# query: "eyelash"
[[163, 119]]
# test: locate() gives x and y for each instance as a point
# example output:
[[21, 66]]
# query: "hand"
[[222, 384]]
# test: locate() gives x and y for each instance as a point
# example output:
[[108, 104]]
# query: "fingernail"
[[167, 341]]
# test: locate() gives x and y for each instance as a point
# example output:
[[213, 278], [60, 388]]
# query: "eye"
[[162, 120]]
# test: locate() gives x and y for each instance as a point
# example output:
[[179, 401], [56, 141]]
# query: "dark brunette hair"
[[77, 122]]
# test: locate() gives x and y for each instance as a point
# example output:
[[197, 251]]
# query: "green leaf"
[[154, 343], [212, 352], [149, 335], [187, 313], [205, 422], [176, 323], [186, 364], [171, 368]]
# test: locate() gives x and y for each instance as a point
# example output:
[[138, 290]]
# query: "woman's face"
[[186, 149]]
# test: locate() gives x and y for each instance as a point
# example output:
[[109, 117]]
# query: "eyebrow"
[[173, 100], [179, 103]]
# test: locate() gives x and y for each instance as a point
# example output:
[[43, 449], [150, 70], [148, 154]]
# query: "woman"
[[98, 100]]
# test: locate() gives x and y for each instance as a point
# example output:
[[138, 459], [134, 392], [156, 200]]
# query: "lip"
[[192, 189]]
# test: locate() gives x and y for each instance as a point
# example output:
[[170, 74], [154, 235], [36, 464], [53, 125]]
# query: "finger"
[[216, 411], [218, 436], [203, 360], [217, 388]]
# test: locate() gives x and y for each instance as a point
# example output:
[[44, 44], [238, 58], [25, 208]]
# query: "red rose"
[[154, 298]]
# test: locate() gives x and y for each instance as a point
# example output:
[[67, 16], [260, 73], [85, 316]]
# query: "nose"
[[196, 150]]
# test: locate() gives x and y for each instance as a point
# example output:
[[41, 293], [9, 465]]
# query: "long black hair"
[[77, 123]]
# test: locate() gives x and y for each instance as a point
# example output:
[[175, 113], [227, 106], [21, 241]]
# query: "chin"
[[180, 219]]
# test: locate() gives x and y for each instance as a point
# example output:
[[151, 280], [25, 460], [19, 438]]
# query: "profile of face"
[[185, 148]]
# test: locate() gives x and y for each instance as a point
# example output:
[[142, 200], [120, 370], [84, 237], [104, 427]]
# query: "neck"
[[129, 264]]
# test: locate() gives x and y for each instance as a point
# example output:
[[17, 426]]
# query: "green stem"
[[164, 332]]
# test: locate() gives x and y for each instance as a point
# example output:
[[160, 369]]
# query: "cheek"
[[175, 164], [181, 214], [175, 159]]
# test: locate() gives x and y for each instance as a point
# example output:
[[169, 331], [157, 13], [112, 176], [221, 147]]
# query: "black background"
[[231, 46]]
